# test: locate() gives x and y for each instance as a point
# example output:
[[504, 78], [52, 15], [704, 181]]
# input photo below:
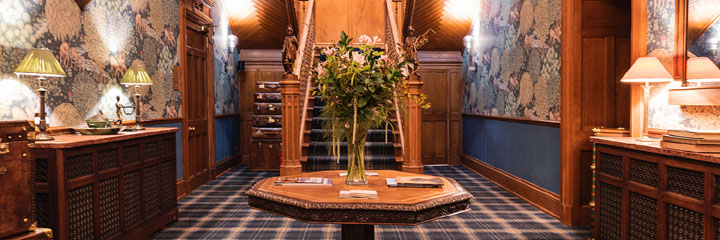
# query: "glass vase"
[[356, 159]]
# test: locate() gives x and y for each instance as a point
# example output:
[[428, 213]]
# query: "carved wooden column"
[[413, 160], [290, 90]]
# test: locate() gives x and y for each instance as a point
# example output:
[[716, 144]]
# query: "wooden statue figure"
[[410, 48], [289, 50]]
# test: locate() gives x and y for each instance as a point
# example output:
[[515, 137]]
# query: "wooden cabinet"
[[265, 154], [107, 187], [647, 192]]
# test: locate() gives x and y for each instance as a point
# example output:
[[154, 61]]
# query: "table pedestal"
[[358, 232]]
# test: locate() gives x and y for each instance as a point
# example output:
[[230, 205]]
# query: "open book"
[[303, 181]]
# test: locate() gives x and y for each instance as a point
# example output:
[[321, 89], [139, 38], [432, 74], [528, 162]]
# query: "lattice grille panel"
[[150, 192], [80, 210], [133, 196], [717, 228], [610, 164], [151, 150], [41, 170], [109, 191], [683, 223], [717, 191], [644, 172], [108, 159], [131, 154], [78, 166], [643, 217], [167, 184], [42, 206], [609, 211], [686, 182], [167, 147]]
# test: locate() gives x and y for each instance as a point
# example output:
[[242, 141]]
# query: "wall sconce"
[[468, 43], [232, 42]]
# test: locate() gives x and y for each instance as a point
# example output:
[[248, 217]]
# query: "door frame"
[[189, 14]]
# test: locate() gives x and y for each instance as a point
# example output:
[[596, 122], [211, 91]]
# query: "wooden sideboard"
[[643, 191], [107, 187]]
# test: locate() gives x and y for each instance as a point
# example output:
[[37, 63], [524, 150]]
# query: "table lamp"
[[702, 69], [42, 64], [136, 76], [646, 70]]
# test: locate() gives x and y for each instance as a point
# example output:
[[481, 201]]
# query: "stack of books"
[[417, 182], [303, 181], [706, 141], [611, 132]]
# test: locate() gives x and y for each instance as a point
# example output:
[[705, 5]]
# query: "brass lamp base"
[[43, 136]]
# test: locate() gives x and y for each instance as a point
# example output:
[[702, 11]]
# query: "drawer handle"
[[3, 170], [4, 148]]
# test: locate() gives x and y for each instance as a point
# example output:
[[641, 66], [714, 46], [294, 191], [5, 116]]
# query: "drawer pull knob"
[[592, 167], [3, 170]]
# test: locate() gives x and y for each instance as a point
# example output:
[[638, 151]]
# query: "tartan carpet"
[[219, 210]]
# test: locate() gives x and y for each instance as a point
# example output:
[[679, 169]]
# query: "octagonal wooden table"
[[394, 206]]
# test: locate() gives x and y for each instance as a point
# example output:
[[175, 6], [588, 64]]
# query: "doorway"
[[198, 95]]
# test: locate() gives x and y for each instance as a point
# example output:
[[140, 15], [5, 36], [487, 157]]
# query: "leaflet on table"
[[303, 181], [359, 194], [393, 182]]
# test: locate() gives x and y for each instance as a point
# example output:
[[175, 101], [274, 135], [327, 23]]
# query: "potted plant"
[[361, 86]]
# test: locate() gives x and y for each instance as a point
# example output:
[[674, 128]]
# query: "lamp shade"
[[40, 62], [136, 75], [647, 69], [702, 69]]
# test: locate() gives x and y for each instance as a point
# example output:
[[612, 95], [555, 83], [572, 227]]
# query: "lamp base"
[[43, 136], [647, 139]]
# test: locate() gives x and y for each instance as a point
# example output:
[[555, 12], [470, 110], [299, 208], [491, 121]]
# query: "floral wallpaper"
[[95, 46], [516, 55], [227, 88], [660, 43]]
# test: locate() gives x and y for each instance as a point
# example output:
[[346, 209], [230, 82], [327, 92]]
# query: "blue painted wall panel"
[[227, 137], [530, 152], [178, 145]]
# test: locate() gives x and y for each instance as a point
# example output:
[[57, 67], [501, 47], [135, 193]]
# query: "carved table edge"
[[461, 196]]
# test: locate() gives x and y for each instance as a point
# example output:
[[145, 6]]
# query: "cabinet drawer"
[[267, 97], [267, 87], [267, 109], [267, 120]]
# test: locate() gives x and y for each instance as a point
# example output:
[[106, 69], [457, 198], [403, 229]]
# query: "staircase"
[[379, 154]]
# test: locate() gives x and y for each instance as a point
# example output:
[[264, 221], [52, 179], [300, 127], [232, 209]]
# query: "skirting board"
[[548, 202], [181, 188], [226, 164]]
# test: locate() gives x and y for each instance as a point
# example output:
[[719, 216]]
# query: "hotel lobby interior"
[[359, 119]]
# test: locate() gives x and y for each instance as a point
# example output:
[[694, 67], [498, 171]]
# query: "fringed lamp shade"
[[702, 69], [645, 70], [40, 62], [136, 75]]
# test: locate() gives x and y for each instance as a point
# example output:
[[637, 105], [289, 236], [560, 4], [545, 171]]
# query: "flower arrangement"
[[361, 87]]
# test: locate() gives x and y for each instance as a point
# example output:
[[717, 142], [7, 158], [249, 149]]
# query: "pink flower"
[[328, 51], [364, 39], [375, 40], [359, 58], [347, 125], [383, 58], [404, 71], [320, 70]]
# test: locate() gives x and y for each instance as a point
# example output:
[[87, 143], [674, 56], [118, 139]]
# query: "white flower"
[[359, 58], [364, 39]]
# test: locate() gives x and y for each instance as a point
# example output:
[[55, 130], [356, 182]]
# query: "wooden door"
[[353, 17], [196, 51], [440, 124], [596, 97]]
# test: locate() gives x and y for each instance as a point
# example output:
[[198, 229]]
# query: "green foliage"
[[361, 87]]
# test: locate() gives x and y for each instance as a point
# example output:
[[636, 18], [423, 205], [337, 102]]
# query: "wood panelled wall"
[[260, 65], [355, 17], [596, 54], [441, 124]]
